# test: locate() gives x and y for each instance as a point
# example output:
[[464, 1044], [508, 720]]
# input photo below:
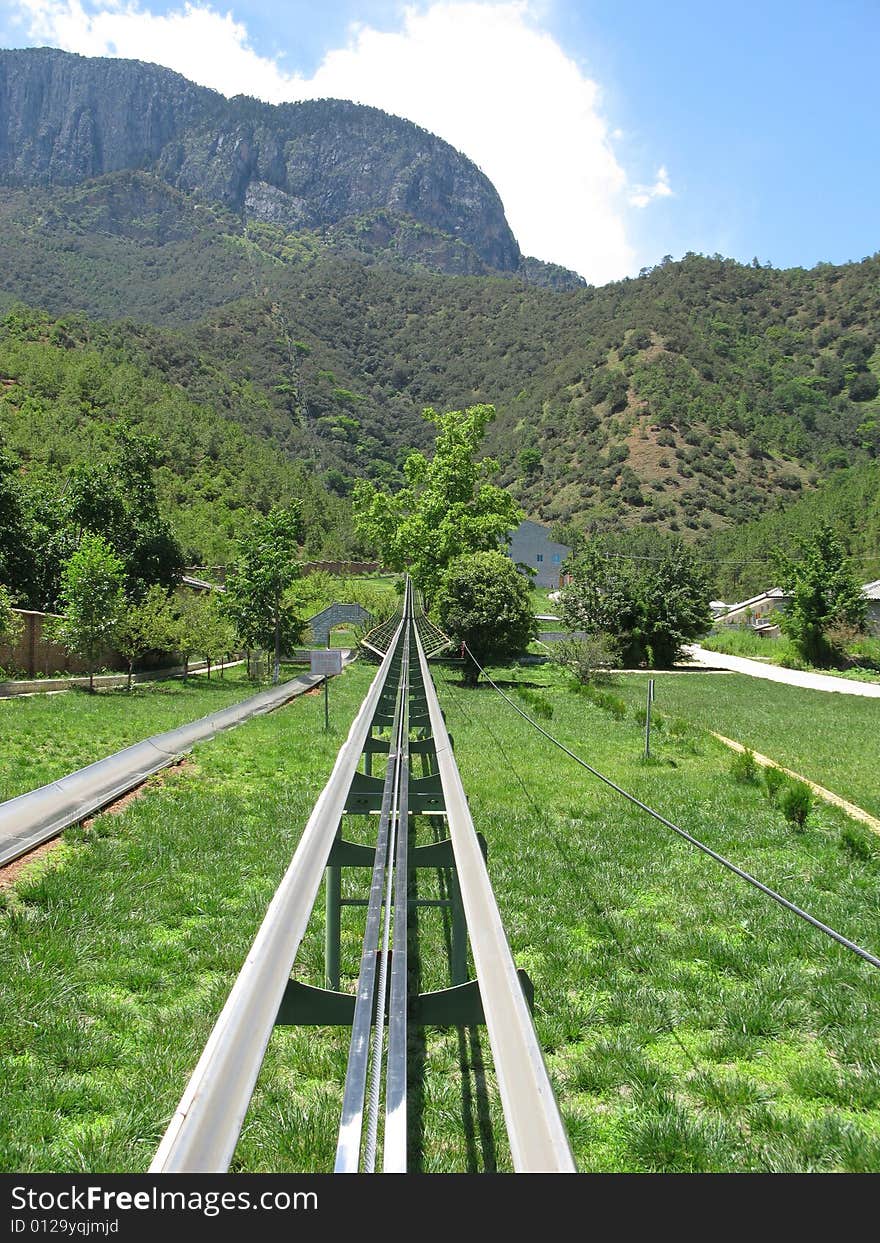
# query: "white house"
[[871, 592], [530, 545]]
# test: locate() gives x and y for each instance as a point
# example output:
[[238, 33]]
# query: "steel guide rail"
[[538, 1141], [203, 1133], [33, 818], [204, 1130], [370, 1004]]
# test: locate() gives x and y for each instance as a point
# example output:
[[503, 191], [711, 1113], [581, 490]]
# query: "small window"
[[539, 557], [557, 557]]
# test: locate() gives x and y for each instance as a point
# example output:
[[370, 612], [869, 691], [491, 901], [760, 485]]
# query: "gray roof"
[[775, 593]]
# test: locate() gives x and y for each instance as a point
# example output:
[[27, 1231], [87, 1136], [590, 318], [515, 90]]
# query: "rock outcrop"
[[67, 119]]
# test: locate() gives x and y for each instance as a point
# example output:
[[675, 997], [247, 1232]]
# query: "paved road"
[[775, 673]]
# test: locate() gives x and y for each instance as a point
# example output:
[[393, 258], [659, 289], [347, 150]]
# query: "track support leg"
[[332, 926]]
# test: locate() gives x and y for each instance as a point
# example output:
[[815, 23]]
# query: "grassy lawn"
[[541, 602], [689, 1024], [43, 737], [119, 950], [781, 651], [832, 739]]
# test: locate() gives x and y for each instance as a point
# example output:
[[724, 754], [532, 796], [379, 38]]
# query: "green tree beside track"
[[447, 508]]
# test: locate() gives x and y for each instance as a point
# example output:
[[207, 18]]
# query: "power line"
[[630, 953], [628, 556], [732, 867]]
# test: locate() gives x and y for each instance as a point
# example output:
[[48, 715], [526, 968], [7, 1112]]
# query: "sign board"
[[327, 661]]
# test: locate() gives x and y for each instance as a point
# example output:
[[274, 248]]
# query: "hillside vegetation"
[[64, 386], [697, 397]]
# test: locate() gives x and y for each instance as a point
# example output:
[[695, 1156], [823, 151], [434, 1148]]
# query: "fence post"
[[650, 700]]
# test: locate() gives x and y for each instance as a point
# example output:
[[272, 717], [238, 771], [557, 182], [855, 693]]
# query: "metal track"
[[538, 1141], [204, 1130], [202, 1135], [33, 818]]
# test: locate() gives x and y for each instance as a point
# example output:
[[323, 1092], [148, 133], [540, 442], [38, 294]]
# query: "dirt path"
[[775, 673], [827, 796]]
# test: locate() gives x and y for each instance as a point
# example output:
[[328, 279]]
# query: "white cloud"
[[484, 76], [208, 47], [641, 196]]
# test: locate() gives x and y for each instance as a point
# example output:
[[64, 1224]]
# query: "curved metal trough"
[[33, 818]]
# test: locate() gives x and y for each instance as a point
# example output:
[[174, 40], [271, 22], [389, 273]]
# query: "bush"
[[797, 803], [484, 602], [744, 768], [586, 659], [540, 705], [611, 703], [857, 842], [774, 780], [658, 720]]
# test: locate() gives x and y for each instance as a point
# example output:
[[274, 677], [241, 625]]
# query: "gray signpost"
[[327, 662]]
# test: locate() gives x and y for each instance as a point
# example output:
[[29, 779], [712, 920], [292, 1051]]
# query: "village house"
[[532, 548]]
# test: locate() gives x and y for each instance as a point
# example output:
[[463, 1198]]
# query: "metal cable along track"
[[400, 722]]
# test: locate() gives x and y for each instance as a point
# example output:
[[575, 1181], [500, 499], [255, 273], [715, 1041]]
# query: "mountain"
[[324, 164], [694, 399]]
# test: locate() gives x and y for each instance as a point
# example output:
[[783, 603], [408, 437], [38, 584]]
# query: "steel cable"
[[732, 867]]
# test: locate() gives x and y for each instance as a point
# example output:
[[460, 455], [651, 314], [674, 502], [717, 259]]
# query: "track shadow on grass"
[[479, 1138], [476, 1119], [416, 1059]]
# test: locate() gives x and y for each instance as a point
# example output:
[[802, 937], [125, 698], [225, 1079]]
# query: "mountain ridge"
[[66, 119], [693, 398]]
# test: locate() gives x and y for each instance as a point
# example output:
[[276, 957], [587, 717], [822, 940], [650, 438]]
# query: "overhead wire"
[[628, 952]]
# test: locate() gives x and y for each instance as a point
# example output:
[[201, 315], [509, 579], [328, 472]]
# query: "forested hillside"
[[697, 397], [849, 501], [66, 385]]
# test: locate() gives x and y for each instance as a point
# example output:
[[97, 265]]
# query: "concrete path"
[[775, 673]]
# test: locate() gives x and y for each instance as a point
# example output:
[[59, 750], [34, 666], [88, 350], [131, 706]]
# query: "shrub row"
[[793, 798]]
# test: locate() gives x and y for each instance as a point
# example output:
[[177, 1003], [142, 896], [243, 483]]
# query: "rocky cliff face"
[[65, 119]]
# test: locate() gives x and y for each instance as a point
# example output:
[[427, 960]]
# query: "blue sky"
[[616, 133]]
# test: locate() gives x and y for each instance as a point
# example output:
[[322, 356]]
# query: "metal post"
[[332, 925], [459, 934], [648, 718], [326, 703]]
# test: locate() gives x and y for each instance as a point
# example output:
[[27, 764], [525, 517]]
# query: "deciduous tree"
[[649, 607], [266, 567], [448, 506], [485, 602], [10, 621], [146, 625], [825, 594], [92, 600]]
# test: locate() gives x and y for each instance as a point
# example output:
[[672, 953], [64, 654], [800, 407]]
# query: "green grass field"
[[44, 737], [688, 1023], [782, 651], [833, 739]]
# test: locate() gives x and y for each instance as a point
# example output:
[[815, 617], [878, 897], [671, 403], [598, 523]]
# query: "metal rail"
[[402, 707], [370, 1005], [538, 1140], [33, 818], [202, 1135]]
